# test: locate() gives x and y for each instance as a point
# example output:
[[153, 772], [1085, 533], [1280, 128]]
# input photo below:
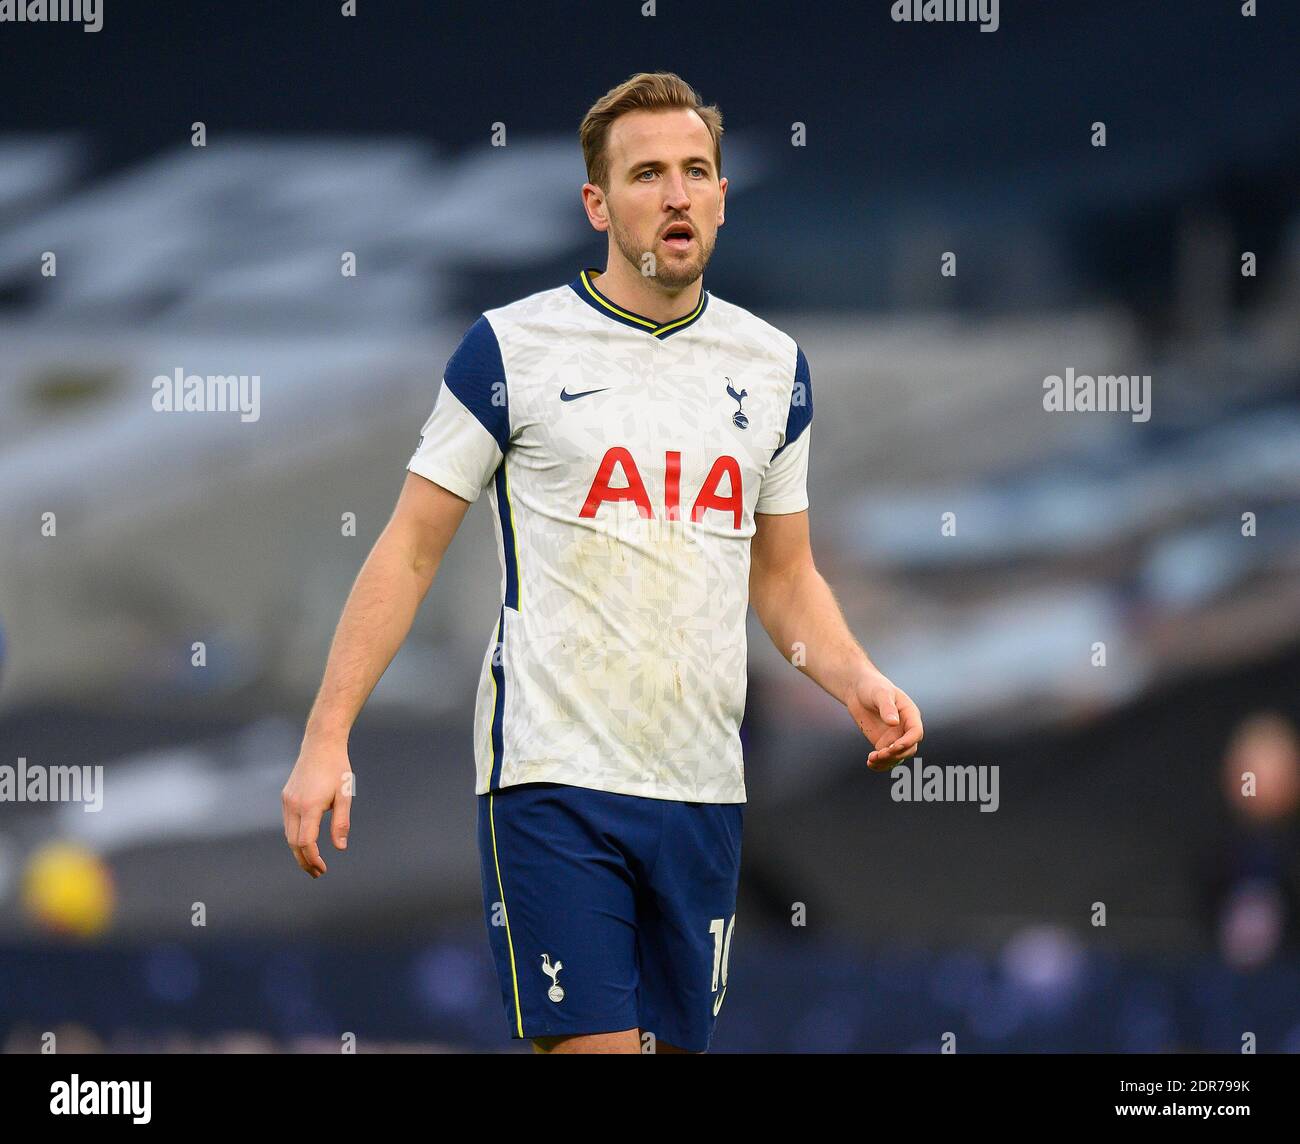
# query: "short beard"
[[673, 275]]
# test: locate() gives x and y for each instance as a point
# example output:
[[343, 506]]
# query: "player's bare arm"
[[375, 621], [797, 608]]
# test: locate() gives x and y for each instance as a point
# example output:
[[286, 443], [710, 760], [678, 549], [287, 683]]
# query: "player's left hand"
[[887, 716]]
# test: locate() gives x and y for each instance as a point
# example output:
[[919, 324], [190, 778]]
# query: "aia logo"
[[710, 497], [738, 419]]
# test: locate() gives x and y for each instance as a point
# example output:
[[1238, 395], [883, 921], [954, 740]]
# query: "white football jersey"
[[626, 459]]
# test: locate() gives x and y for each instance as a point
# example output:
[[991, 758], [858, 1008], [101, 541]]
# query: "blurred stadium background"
[[1118, 784]]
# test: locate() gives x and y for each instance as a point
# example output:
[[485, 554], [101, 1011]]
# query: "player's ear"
[[593, 202], [722, 201]]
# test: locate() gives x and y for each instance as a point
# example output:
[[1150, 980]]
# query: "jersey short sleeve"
[[468, 432], [785, 484]]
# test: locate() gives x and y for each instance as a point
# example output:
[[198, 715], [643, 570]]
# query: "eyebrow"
[[693, 161]]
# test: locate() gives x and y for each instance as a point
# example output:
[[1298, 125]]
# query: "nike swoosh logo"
[[566, 396]]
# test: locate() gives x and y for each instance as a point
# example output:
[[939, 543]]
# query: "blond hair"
[[645, 91]]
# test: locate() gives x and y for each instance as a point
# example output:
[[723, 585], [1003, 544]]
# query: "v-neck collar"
[[585, 288]]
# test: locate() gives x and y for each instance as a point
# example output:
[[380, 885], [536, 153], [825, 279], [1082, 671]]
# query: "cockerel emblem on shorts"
[[556, 991]]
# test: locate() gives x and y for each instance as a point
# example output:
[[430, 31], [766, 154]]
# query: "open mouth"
[[679, 237]]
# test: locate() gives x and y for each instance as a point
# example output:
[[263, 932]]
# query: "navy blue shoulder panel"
[[801, 402], [476, 375]]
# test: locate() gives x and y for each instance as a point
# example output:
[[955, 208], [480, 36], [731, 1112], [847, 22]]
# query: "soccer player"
[[645, 444]]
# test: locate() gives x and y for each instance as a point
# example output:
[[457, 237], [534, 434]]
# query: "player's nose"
[[676, 196]]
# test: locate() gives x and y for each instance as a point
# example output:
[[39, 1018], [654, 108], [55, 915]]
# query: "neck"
[[626, 287]]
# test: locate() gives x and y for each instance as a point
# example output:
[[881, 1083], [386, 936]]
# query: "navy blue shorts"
[[609, 911]]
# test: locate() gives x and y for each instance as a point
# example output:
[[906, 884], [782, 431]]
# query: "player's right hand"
[[321, 780]]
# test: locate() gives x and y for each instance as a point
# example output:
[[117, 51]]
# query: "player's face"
[[662, 174]]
